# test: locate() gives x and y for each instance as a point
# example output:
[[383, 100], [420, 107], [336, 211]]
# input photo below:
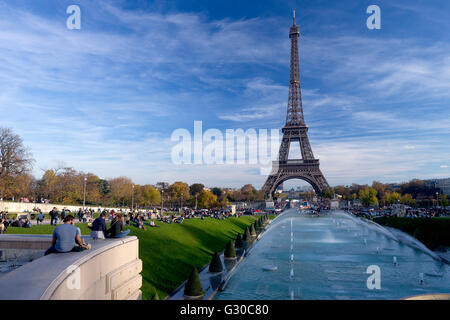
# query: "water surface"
[[327, 258]]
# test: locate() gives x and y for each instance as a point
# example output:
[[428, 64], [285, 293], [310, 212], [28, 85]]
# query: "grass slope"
[[432, 232], [170, 251]]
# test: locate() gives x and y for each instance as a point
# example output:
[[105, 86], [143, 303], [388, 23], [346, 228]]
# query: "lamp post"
[[162, 202], [132, 198], [84, 193], [437, 199]]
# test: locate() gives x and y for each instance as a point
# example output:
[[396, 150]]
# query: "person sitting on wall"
[[67, 238], [116, 229], [98, 228]]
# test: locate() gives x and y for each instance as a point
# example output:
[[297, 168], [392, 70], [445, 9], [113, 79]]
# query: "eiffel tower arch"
[[295, 131]]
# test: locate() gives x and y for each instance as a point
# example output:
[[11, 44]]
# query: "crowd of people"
[[7, 221], [66, 235], [408, 212]]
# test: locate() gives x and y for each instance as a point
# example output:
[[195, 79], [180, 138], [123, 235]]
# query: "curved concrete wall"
[[109, 271]]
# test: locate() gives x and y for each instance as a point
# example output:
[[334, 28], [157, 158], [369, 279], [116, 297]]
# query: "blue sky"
[[106, 98]]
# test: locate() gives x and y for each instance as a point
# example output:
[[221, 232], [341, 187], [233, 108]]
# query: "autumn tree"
[[15, 160], [121, 190], [147, 195], [408, 200], [368, 196], [179, 192], [380, 187], [207, 199]]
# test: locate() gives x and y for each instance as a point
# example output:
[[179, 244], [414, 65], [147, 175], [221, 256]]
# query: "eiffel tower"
[[295, 130]]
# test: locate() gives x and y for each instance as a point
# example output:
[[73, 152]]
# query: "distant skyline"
[[105, 99]]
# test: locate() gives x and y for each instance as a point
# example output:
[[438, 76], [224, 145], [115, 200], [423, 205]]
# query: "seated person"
[[152, 224], [17, 223], [140, 224], [27, 224], [98, 228], [116, 229], [2, 226], [67, 238]]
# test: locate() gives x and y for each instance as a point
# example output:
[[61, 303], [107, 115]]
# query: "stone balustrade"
[[109, 271]]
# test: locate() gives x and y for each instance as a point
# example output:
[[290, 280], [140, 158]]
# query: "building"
[[442, 184], [162, 185]]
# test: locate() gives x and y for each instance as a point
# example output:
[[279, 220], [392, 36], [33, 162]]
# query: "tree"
[[15, 160], [207, 199], [392, 197], [343, 191], [23, 186], [328, 193], [147, 195], [121, 190], [248, 193], [215, 264], [368, 196], [443, 199], [239, 243], [380, 187], [217, 191], [196, 188], [408, 200], [179, 191], [193, 286], [230, 251]]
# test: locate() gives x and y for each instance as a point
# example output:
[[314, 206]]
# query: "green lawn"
[[432, 232], [170, 251]]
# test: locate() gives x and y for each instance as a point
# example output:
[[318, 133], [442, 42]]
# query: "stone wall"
[[26, 206], [109, 271]]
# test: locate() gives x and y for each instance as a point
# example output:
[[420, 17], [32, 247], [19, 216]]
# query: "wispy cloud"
[[106, 98]]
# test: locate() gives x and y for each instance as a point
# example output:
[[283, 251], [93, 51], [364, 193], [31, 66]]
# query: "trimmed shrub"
[[193, 286], [215, 264], [155, 296], [230, 252], [252, 230], [246, 236], [239, 243]]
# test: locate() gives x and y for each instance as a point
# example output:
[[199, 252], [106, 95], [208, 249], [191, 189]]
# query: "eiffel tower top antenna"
[[294, 15]]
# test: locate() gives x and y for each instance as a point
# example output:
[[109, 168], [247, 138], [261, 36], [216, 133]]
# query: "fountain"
[[330, 261]]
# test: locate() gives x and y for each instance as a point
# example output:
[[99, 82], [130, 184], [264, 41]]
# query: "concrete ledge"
[[18, 241], [77, 275], [430, 297]]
